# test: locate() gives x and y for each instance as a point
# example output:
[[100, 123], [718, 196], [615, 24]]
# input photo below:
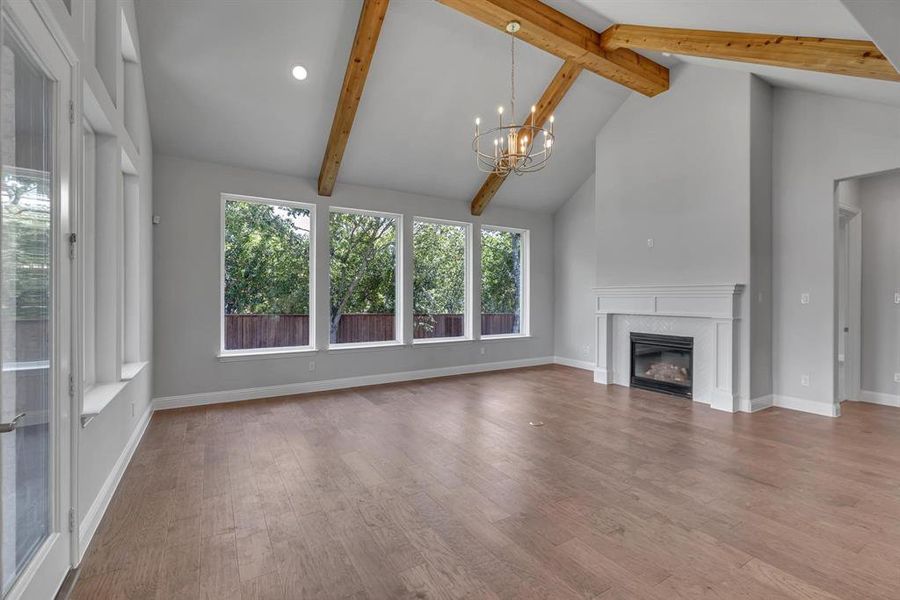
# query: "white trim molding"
[[720, 304], [571, 362], [94, 515], [758, 404], [879, 398], [825, 409], [289, 389]]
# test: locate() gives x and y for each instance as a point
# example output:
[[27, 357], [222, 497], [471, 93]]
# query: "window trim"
[[399, 278], [525, 298], [244, 353], [468, 304]]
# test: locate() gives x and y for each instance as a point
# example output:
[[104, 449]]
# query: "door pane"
[[26, 145]]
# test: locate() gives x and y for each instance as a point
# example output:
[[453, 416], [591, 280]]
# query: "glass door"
[[34, 321]]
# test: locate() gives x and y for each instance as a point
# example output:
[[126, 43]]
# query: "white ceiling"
[[217, 75], [219, 89]]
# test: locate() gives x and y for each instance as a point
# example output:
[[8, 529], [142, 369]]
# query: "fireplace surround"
[[710, 314]]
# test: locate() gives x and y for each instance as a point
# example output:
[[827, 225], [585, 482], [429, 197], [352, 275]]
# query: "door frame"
[[36, 26], [850, 220]]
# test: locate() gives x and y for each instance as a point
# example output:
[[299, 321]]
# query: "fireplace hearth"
[[662, 363]]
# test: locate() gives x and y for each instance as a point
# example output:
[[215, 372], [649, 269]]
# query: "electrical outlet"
[[481, 350], [587, 349], [896, 377], [804, 380], [804, 298], [650, 242], [896, 297], [312, 365]]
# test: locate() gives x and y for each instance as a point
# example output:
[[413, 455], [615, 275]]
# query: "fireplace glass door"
[[662, 363]]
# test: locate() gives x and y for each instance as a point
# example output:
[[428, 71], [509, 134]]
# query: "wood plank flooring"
[[441, 489]]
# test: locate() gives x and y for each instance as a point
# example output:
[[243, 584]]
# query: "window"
[[439, 281], [266, 272], [363, 275], [504, 277]]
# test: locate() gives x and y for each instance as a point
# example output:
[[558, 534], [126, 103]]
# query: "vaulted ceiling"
[[219, 86]]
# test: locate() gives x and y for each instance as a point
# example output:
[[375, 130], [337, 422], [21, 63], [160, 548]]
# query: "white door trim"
[[42, 577]]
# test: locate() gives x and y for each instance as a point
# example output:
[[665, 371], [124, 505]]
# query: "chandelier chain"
[[512, 76]]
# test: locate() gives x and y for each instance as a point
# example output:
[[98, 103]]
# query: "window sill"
[[505, 336], [263, 353], [97, 398], [338, 348], [440, 341], [131, 370]]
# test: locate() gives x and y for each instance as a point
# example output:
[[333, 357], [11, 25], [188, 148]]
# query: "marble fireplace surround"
[[708, 313]]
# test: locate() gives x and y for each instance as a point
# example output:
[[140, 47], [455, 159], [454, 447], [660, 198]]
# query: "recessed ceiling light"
[[299, 72]]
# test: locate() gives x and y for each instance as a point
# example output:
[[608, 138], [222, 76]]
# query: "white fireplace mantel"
[[719, 308]]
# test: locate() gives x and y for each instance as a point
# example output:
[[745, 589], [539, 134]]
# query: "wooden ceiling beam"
[[367, 32], [563, 36], [857, 58], [552, 96]]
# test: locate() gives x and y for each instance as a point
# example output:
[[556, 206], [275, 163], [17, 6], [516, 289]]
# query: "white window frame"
[[225, 354], [525, 299], [399, 278], [468, 306]]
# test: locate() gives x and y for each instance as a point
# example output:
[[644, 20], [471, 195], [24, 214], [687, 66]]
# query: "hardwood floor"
[[441, 489]]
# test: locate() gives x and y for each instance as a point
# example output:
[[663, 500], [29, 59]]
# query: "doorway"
[[849, 292]]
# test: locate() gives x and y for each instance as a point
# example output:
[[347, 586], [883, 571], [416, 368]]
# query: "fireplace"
[[662, 363]]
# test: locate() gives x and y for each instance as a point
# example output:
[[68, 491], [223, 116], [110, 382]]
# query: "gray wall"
[[759, 296], [817, 140], [575, 258], [676, 168], [880, 203], [186, 273]]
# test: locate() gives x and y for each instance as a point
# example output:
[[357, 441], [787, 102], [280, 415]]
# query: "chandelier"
[[512, 148]]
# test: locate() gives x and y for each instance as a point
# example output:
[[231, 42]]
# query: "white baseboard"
[[757, 404], [826, 409], [880, 398], [571, 362], [92, 518], [200, 399]]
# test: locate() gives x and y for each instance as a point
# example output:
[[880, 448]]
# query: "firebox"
[[662, 363]]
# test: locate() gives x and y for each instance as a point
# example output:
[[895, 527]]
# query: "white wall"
[[817, 140], [880, 203], [187, 288], [574, 257]]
